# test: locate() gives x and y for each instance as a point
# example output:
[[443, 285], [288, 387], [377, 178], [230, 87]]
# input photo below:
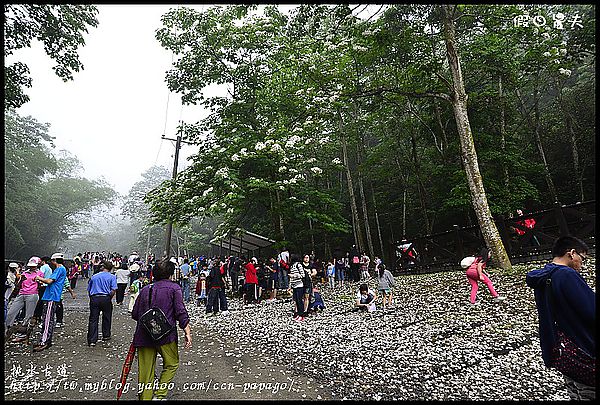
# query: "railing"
[[444, 250]]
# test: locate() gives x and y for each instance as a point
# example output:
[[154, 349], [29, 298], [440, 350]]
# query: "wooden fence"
[[443, 251]]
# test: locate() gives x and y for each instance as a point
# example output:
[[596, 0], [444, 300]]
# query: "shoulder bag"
[[154, 321], [566, 356]]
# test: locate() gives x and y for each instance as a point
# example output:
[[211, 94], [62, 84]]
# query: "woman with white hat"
[[27, 296]]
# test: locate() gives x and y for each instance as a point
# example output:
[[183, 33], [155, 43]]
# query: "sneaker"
[[225, 312], [39, 348], [499, 298], [19, 338], [106, 339], [59, 325], [299, 319], [92, 344]]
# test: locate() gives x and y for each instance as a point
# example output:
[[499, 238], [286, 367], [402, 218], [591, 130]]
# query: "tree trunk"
[[540, 146], [281, 228], [312, 236], [575, 151], [360, 151], [502, 129], [438, 116], [420, 187], [469, 155], [377, 221], [358, 238]]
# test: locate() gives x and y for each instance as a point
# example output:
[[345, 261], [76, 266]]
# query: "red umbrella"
[[126, 369]]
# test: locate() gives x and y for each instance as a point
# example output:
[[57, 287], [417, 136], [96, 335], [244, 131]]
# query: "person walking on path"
[[135, 288], [475, 274], [296, 284], [167, 296], [566, 307], [386, 283], [52, 295], [122, 274], [101, 288], [27, 297], [185, 279]]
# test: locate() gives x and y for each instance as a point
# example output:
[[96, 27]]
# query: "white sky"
[[112, 115]]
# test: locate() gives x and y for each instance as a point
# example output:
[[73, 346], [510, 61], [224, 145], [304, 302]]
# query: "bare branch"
[[380, 91]]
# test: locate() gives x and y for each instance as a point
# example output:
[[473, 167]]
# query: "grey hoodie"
[[386, 281]]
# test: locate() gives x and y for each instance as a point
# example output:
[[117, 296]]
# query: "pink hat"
[[34, 261]]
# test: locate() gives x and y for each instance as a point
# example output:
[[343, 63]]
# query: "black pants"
[[73, 282], [39, 308], [60, 312], [213, 300], [234, 280], [121, 292], [299, 300], [251, 292], [99, 304]]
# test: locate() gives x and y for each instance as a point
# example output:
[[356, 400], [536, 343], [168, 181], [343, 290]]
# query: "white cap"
[[13, 265], [57, 256]]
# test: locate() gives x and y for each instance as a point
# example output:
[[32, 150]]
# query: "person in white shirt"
[[122, 274]]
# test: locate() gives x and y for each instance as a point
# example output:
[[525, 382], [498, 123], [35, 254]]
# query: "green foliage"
[[44, 197], [298, 85], [59, 27]]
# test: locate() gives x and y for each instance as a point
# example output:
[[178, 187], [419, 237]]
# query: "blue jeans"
[[284, 280], [185, 285]]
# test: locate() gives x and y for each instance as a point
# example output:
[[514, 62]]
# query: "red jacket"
[[251, 274]]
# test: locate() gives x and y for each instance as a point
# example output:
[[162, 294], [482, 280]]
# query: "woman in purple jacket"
[[167, 296]]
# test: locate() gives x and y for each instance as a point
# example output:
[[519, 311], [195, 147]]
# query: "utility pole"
[[175, 163]]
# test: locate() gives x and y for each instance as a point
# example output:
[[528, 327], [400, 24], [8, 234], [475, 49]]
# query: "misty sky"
[[112, 115]]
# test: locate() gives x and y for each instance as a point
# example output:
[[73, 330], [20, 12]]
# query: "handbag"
[[154, 321], [567, 357]]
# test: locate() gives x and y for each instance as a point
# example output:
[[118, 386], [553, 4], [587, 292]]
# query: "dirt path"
[[214, 368]]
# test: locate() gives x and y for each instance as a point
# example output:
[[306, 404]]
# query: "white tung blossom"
[[325, 140], [282, 169], [565, 72], [563, 51], [276, 148], [260, 146], [547, 54], [311, 160], [208, 190], [222, 172], [235, 157], [336, 161], [316, 170]]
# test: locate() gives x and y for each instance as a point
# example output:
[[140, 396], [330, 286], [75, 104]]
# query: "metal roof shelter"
[[240, 241]]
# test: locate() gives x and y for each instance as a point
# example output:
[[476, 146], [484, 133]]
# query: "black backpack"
[[154, 321]]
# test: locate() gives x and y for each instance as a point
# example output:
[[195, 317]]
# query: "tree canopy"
[[335, 128], [60, 28]]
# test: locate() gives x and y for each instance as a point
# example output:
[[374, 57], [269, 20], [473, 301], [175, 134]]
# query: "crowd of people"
[[34, 295]]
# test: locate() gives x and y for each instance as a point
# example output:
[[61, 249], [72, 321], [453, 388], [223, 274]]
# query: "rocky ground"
[[431, 345]]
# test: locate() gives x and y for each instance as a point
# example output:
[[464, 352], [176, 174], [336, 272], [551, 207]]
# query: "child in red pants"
[[475, 274]]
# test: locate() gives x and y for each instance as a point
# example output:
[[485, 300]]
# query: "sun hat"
[[34, 261]]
